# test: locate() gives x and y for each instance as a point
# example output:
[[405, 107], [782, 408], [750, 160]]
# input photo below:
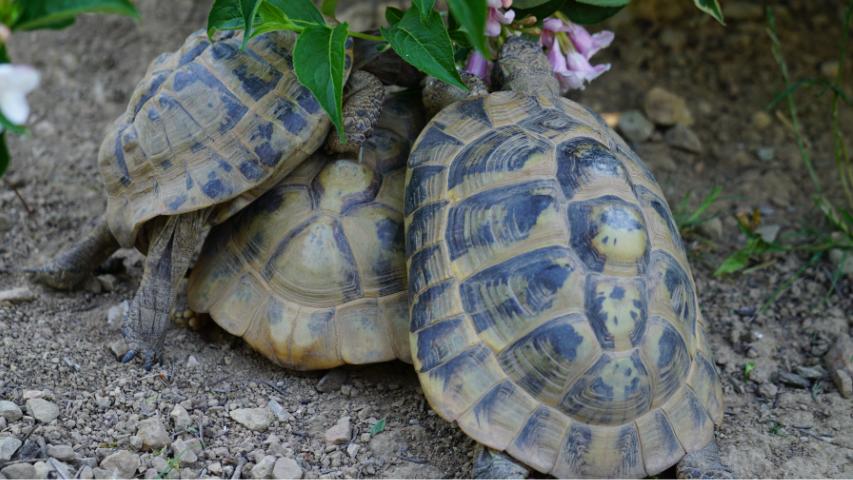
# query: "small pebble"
[[793, 380], [332, 380], [257, 419], [121, 463], [192, 362], [61, 452], [635, 126], [761, 120], [19, 470], [829, 69], [17, 295], [666, 108], [8, 446], [42, 410], [765, 154], [10, 411], [119, 347], [264, 468], [286, 468], [340, 433], [153, 434], [683, 138], [180, 418], [839, 362]]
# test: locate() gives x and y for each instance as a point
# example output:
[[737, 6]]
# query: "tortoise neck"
[[525, 69]]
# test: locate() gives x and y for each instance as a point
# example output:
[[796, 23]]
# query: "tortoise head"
[[523, 67]]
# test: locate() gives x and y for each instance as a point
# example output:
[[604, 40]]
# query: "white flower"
[[16, 81]]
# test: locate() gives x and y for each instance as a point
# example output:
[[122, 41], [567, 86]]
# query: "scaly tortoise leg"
[[490, 463], [362, 106], [437, 94], [172, 241], [704, 463], [74, 265]]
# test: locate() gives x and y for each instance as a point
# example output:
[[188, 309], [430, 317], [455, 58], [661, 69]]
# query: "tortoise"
[[208, 129], [553, 313], [312, 274]]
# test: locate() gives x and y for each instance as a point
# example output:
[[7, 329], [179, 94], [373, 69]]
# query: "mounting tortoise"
[[207, 130], [312, 274], [553, 314]]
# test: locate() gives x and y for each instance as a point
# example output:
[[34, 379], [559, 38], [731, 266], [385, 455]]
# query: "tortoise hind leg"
[[172, 241], [74, 265], [361, 109], [704, 463], [490, 463]]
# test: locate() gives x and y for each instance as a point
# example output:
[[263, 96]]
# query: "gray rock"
[[340, 433], [634, 125], [10, 411], [122, 464], [280, 413], [108, 282], [17, 295], [42, 410], [286, 468], [61, 452], [186, 451], [768, 233], [8, 447], [793, 380], [768, 390], [42, 469], [683, 138], [19, 470], [119, 347], [332, 380], [192, 362], [180, 418], [666, 108], [811, 373], [712, 228], [87, 473], [352, 449], [115, 315], [765, 154], [839, 361], [264, 468], [257, 419], [842, 260], [153, 434]]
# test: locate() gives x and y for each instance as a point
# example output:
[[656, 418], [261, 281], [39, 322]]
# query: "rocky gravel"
[[688, 94]]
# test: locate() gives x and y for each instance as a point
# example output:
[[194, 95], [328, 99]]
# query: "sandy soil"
[[57, 344]]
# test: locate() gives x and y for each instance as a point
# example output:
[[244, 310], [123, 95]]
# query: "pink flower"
[[478, 65], [578, 71], [498, 17], [588, 45], [549, 27]]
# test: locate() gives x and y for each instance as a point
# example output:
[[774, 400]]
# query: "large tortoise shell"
[[312, 274], [209, 124], [553, 313]]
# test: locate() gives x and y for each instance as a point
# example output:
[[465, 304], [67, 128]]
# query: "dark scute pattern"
[[584, 228], [431, 138], [289, 116], [195, 73], [421, 183], [422, 227], [468, 361], [155, 82], [426, 307], [255, 86], [502, 150], [576, 447], [474, 110], [547, 122], [530, 434], [487, 407], [662, 210], [628, 446], [118, 154], [530, 282], [511, 212], [611, 392], [669, 440], [679, 289], [545, 355], [192, 53], [598, 315], [582, 158], [436, 342], [423, 269]]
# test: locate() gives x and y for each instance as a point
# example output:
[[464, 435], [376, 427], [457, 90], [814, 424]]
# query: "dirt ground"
[[56, 346]]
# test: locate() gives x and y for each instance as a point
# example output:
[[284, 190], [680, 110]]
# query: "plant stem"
[[366, 36]]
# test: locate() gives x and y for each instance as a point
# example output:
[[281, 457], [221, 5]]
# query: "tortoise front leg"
[[704, 463], [490, 463], [363, 104], [74, 265], [172, 241]]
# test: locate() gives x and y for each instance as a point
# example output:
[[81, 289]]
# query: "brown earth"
[[58, 343]]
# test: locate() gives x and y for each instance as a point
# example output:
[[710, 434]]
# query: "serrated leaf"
[[471, 15], [300, 12], [586, 14], [425, 44], [424, 7], [4, 154], [319, 60], [712, 8], [377, 427], [37, 14], [393, 15]]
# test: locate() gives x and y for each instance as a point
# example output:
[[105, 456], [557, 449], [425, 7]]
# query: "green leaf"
[[7, 125], [319, 59], [248, 11], [424, 7], [377, 427], [393, 15], [329, 7], [712, 8], [586, 14], [4, 154], [425, 44], [300, 12], [528, 4], [224, 15], [540, 11], [471, 15], [4, 57], [37, 14]]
